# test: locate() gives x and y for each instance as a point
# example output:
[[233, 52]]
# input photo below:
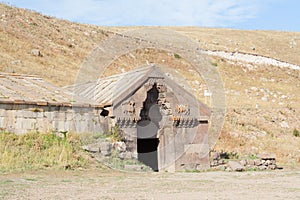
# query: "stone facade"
[[166, 126], [24, 118]]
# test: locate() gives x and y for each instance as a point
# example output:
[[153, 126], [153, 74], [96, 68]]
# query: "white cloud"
[[149, 12]]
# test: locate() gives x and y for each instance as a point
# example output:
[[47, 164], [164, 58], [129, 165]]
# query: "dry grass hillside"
[[263, 101]]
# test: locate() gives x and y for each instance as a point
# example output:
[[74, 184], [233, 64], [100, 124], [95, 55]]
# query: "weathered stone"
[[221, 167], [134, 155], [220, 162], [272, 167], [267, 156], [120, 146], [85, 148], [262, 167], [257, 162], [128, 155], [36, 52], [235, 166], [243, 162], [105, 153], [268, 162], [272, 162], [216, 155], [91, 148], [284, 125], [133, 167], [94, 149], [251, 162], [105, 146], [122, 155]]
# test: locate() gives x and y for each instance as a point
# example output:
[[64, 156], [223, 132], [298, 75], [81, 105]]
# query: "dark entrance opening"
[[147, 152], [147, 141]]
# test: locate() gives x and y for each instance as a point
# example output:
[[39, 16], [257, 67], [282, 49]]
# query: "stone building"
[[28, 103], [162, 122]]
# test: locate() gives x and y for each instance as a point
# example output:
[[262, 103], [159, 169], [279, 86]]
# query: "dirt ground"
[[111, 184]]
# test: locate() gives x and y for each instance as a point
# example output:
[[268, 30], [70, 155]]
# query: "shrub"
[[214, 64], [296, 133], [177, 56], [116, 134]]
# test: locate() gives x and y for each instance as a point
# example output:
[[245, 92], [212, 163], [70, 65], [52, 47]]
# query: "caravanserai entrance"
[[147, 129]]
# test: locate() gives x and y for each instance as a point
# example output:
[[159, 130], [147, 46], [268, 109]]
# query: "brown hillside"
[[263, 101]]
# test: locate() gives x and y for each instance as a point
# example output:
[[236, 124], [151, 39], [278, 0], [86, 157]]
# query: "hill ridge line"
[[233, 56]]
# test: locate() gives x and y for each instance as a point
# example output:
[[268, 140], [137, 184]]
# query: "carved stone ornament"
[[182, 122], [183, 109], [128, 107], [127, 122]]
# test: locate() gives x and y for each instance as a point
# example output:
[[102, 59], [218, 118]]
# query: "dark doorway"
[[147, 152], [147, 141]]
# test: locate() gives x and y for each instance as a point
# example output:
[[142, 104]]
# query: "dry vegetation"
[[263, 101], [36, 150]]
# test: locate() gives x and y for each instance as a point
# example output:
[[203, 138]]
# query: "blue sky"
[[240, 14]]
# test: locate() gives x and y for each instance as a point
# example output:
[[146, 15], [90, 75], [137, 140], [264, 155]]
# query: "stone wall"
[[23, 118], [182, 139]]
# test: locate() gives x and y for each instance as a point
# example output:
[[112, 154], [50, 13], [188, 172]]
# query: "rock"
[[105, 153], [133, 167], [272, 167], [16, 62], [251, 162], [272, 162], [36, 52], [262, 167], [267, 156], [105, 148], [122, 155], [126, 155], [284, 124], [214, 163], [254, 89], [85, 148], [264, 98], [283, 97], [243, 162], [216, 156], [221, 162], [257, 162], [268, 162], [221, 167], [235, 166], [134, 155], [129, 155], [92, 149], [120, 146]]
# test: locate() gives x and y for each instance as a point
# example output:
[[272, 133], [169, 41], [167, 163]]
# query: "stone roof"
[[28, 89], [112, 90], [105, 91]]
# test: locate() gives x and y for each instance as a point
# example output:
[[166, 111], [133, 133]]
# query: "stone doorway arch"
[[147, 130]]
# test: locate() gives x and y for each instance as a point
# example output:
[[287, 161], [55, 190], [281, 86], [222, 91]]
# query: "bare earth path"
[[109, 184]]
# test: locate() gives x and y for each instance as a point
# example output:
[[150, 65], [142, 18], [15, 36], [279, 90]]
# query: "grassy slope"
[[40, 150], [252, 125]]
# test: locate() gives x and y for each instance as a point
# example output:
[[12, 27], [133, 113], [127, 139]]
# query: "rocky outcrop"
[[262, 162]]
